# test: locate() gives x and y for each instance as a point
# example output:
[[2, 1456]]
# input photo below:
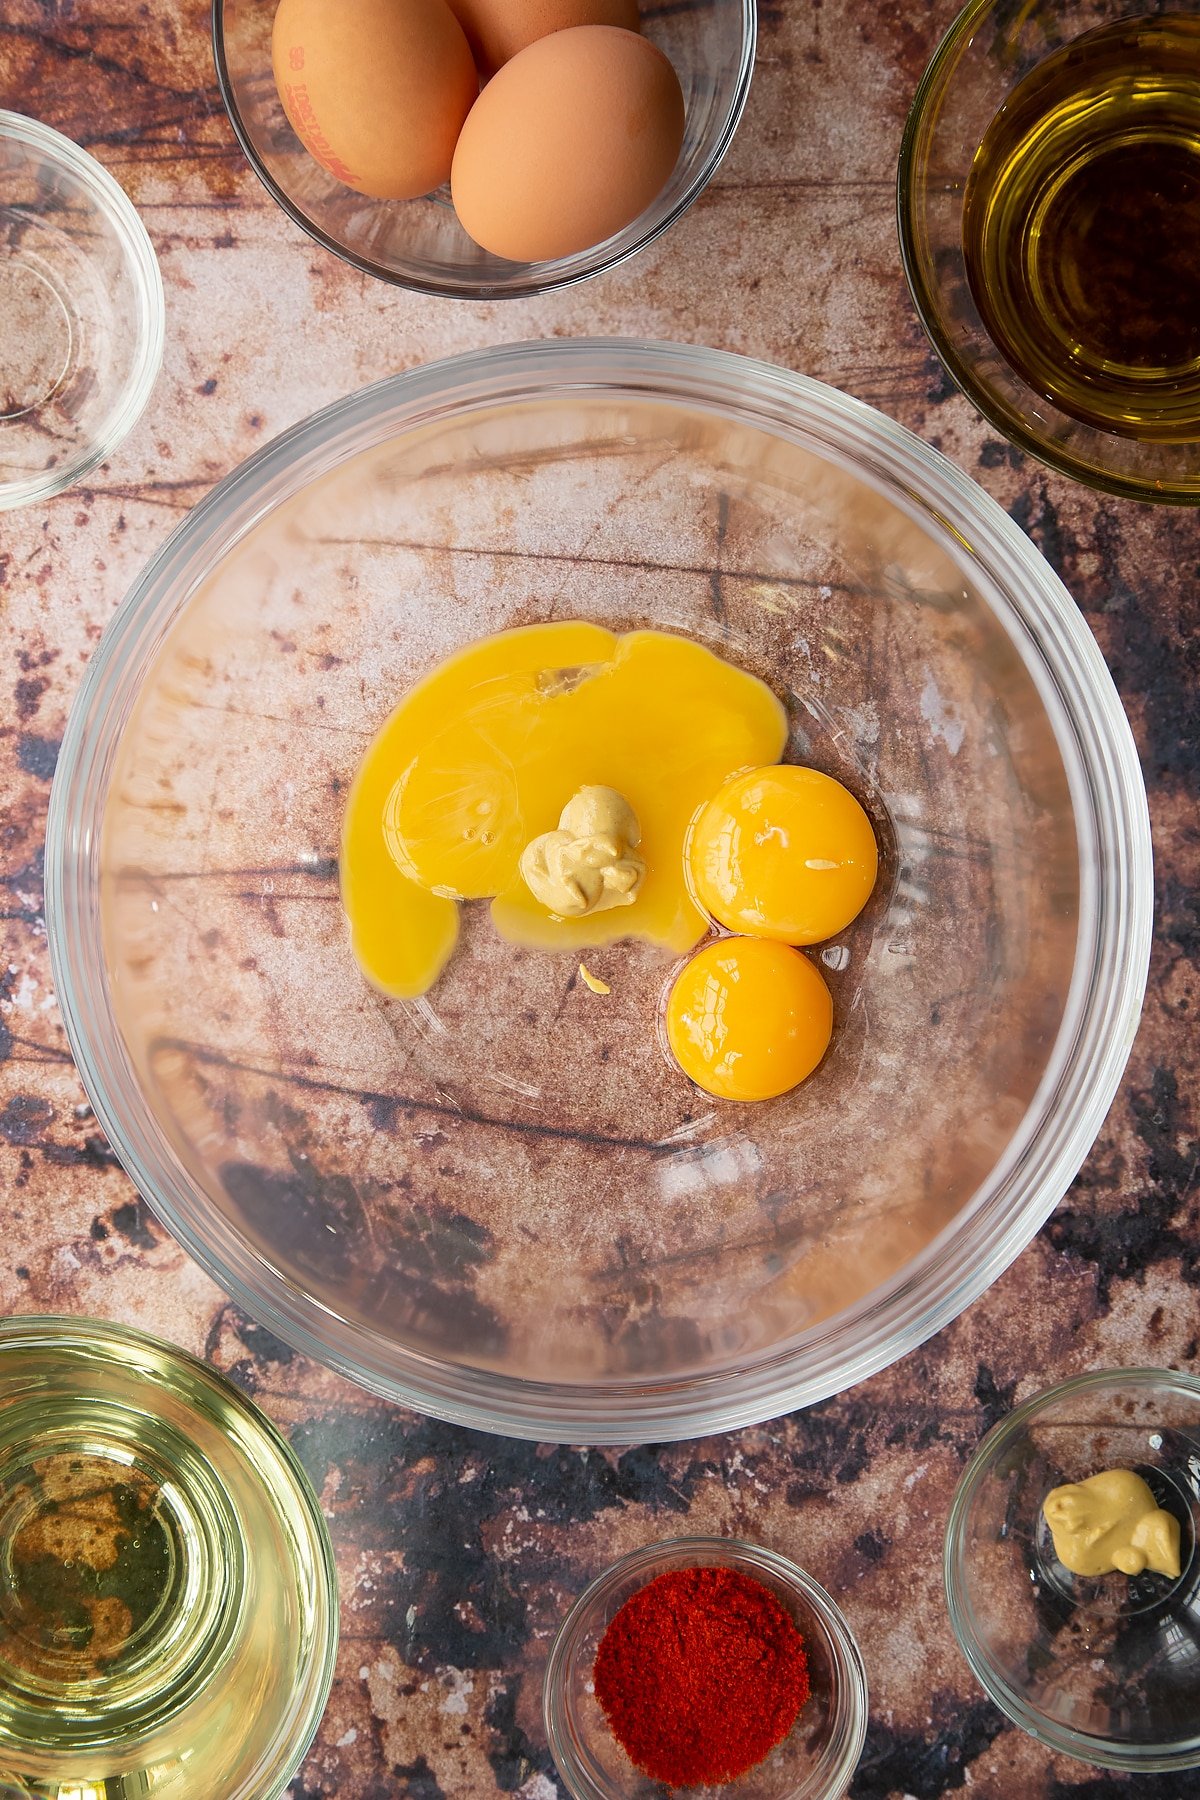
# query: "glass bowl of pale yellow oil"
[[168, 1598], [460, 1147], [1072, 1566], [1049, 206]]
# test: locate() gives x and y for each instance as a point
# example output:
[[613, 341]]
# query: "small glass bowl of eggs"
[[511, 146]]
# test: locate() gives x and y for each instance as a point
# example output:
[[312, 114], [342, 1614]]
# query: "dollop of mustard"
[[590, 863], [1111, 1521]]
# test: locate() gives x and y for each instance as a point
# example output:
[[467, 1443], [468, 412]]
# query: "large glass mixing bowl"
[[500, 1204]]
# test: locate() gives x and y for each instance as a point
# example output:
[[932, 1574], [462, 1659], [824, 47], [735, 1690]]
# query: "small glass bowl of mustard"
[[814, 1762], [1106, 1667]]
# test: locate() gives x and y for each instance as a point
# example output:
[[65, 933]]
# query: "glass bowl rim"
[[110, 199], [533, 285], [1061, 1738], [87, 1333], [924, 299], [734, 1553], [1105, 998]]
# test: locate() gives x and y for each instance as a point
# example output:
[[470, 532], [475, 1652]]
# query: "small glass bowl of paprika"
[[703, 1674]]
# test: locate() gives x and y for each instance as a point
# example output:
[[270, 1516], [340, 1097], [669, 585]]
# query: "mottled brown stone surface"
[[458, 1553]]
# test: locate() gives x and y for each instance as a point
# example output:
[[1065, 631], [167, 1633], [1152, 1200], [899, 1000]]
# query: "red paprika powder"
[[700, 1674]]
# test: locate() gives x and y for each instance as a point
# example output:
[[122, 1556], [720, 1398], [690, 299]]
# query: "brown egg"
[[376, 90], [497, 29], [567, 143]]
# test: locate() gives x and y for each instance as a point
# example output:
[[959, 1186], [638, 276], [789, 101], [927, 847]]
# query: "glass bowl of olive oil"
[[168, 1600], [1049, 208]]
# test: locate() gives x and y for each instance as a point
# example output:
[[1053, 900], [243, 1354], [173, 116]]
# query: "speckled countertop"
[[458, 1553]]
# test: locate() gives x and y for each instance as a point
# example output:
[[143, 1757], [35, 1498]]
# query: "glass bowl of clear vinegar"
[[168, 1604]]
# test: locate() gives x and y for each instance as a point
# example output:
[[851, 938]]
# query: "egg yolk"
[[784, 853], [748, 1018], [483, 754]]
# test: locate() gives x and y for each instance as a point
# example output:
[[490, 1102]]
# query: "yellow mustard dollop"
[[590, 863], [1111, 1521]]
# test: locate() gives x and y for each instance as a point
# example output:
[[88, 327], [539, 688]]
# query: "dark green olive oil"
[[1081, 228]]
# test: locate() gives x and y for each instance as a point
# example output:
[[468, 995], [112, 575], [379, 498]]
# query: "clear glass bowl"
[[81, 313], [815, 1761], [1106, 1669], [420, 244], [500, 1203], [168, 1596], [987, 52]]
